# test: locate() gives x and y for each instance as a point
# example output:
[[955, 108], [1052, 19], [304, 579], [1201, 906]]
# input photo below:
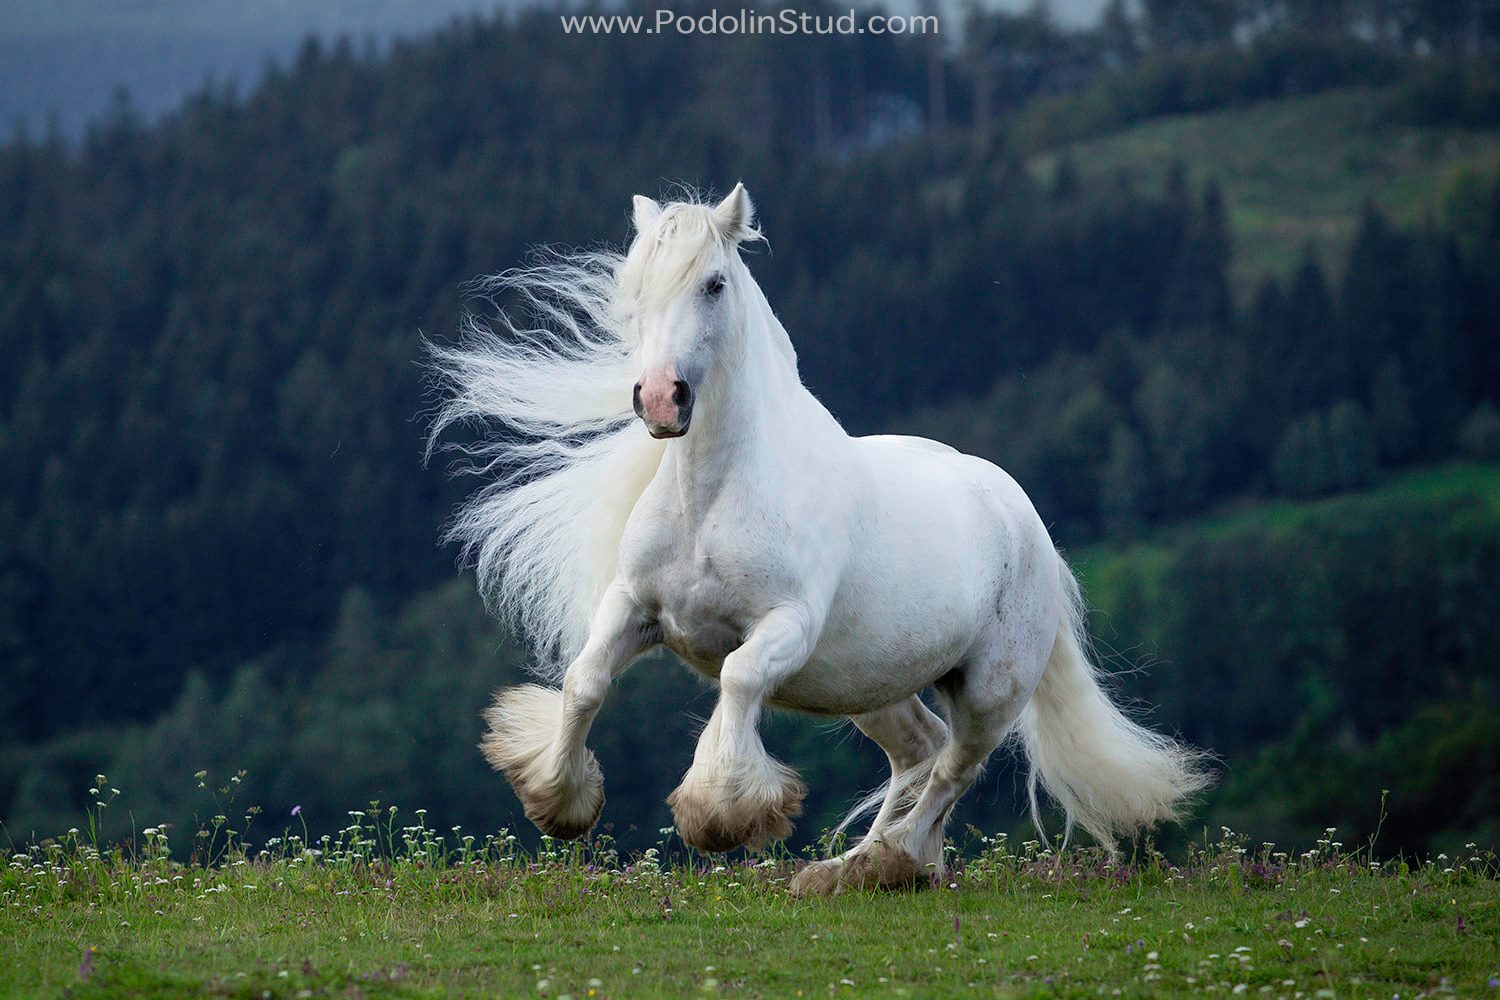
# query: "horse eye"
[[714, 285]]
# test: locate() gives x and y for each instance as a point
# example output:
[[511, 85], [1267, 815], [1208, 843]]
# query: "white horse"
[[737, 524]]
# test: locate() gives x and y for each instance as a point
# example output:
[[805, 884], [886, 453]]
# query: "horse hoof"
[[562, 798], [881, 867], [565, 816], [711, 823], [820, 878]]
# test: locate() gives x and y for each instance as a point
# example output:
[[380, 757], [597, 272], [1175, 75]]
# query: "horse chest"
[[705, 589]]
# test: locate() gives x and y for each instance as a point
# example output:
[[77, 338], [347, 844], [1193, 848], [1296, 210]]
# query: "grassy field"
[[387, 909], [1296, 171]]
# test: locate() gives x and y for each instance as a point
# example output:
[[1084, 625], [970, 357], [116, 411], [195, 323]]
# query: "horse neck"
[[753, 412]]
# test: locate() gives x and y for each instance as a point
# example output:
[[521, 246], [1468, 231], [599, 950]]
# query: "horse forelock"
[[667, 258]]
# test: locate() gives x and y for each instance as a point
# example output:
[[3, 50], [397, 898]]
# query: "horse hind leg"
[[911, 736], [982, 703]]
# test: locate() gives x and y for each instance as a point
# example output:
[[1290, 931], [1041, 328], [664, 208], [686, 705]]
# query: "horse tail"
[[1111, 775]]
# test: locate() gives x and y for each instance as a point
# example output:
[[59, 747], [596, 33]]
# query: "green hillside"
[[395, 909], [1298, 171], [1330, 651], [1418, 491]]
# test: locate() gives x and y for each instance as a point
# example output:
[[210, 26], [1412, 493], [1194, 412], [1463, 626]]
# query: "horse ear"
[[644, 212], [735, 216]]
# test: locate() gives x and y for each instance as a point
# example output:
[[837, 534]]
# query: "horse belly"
[[877, 659], [701, 644], [837, 688]]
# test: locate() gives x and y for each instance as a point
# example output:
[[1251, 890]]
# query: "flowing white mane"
[[549, 385]]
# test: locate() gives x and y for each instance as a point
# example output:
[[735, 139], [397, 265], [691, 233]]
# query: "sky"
[[63, 60]]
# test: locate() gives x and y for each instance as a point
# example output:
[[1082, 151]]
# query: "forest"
[[218, 540]]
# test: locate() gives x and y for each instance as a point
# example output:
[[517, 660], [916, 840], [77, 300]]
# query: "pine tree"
[[1125, 484], [1187, 24], [1380, 303], [1175, 415], [1065, 183], [1119, 35], [1316, 360], [1301, 465], [1197, 294], [1351, 445], [1390, 402]]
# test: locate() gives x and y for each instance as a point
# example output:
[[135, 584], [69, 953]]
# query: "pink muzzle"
[[664, 402]]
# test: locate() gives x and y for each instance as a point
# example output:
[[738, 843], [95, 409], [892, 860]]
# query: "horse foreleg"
[[735, 792], [537, 734]]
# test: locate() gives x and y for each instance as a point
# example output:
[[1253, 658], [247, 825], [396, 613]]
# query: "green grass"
[[1296, 171], [385, 910]]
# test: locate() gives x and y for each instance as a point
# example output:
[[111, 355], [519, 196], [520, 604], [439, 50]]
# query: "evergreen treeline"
[[1311, 389], [209, 414]]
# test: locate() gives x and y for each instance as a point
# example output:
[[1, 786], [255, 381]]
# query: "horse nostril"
[[635, 401], [682, 394]]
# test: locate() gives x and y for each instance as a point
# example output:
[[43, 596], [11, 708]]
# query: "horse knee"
[[741, 688], [584, 691]]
